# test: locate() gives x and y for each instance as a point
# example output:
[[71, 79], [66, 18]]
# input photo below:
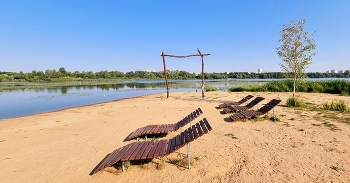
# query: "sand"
[[66, 145]]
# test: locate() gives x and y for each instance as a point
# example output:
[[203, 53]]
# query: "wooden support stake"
[[166, 76], [123, 169], [202, 71]]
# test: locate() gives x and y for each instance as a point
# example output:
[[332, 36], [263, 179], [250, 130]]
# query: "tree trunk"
[[294, 83]]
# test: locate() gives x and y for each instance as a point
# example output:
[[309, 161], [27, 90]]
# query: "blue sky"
[[130, 35]]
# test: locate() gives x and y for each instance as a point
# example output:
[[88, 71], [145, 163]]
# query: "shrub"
[[210, 88], [335, 106], [295, 102]]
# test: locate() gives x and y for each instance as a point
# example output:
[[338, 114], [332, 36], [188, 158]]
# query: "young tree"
[[296, 50]]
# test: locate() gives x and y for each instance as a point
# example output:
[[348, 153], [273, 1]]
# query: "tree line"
[[62, 75]]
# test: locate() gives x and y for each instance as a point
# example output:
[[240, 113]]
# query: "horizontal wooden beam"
[[193, 55]]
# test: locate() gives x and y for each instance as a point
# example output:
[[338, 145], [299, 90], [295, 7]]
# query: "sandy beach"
[[65, 146]]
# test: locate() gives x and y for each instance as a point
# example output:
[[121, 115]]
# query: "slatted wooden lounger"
[[249, 114], [164, 128], [226, 104], [236, 108], [155, 148]]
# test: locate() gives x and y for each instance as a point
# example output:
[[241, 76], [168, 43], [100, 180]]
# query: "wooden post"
[[202, 71], [166, 76]]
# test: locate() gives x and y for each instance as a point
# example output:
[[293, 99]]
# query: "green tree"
[[347, 73], [296, 50], [63, 71]]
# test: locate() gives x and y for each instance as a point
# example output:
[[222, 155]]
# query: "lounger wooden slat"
[[130, 151], [199, 128], [176, 143], [190, 134], [187, 137], [170, 143], [135, 152], [195, 134], [150, 129], [160, 149], [156, 129], [107, 160], [207, 124], [144, 130], [153, 129], [169, 128], [153, 149], [204, 128], [142, 150], [173, 144], [200, 110], [162, 128], [136, 133], [118, 156], [164, 148], [182, 139], [149, 149]]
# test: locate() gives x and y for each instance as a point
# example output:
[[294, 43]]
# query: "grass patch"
[[335, 105], [210, 89], [330, 125], [127, 164], [334, 168], [231, 135], [286, 124], [160, 165], [112, 170], [183, 162], [295, 102], [274, 118]]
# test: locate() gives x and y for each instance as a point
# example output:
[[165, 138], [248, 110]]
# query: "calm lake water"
[[32, 101]]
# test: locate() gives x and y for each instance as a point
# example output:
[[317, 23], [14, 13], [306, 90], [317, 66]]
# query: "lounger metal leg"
[[189, 155], [123, 169], [189, 152]]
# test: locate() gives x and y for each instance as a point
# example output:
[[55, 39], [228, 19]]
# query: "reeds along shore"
[[333, 86]]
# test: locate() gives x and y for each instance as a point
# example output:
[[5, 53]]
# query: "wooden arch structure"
[[166, 75]]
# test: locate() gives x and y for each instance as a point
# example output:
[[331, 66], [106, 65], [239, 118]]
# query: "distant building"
[[341, 71], [260, 70], [334, 71], [150, 70]]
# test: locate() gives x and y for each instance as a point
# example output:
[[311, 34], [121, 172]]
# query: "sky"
[[241, 36]]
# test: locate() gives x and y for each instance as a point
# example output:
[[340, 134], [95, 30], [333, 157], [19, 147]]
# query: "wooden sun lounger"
[[249, 114], [155, 148], [236, 108], [226, 104], [164, 128]]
